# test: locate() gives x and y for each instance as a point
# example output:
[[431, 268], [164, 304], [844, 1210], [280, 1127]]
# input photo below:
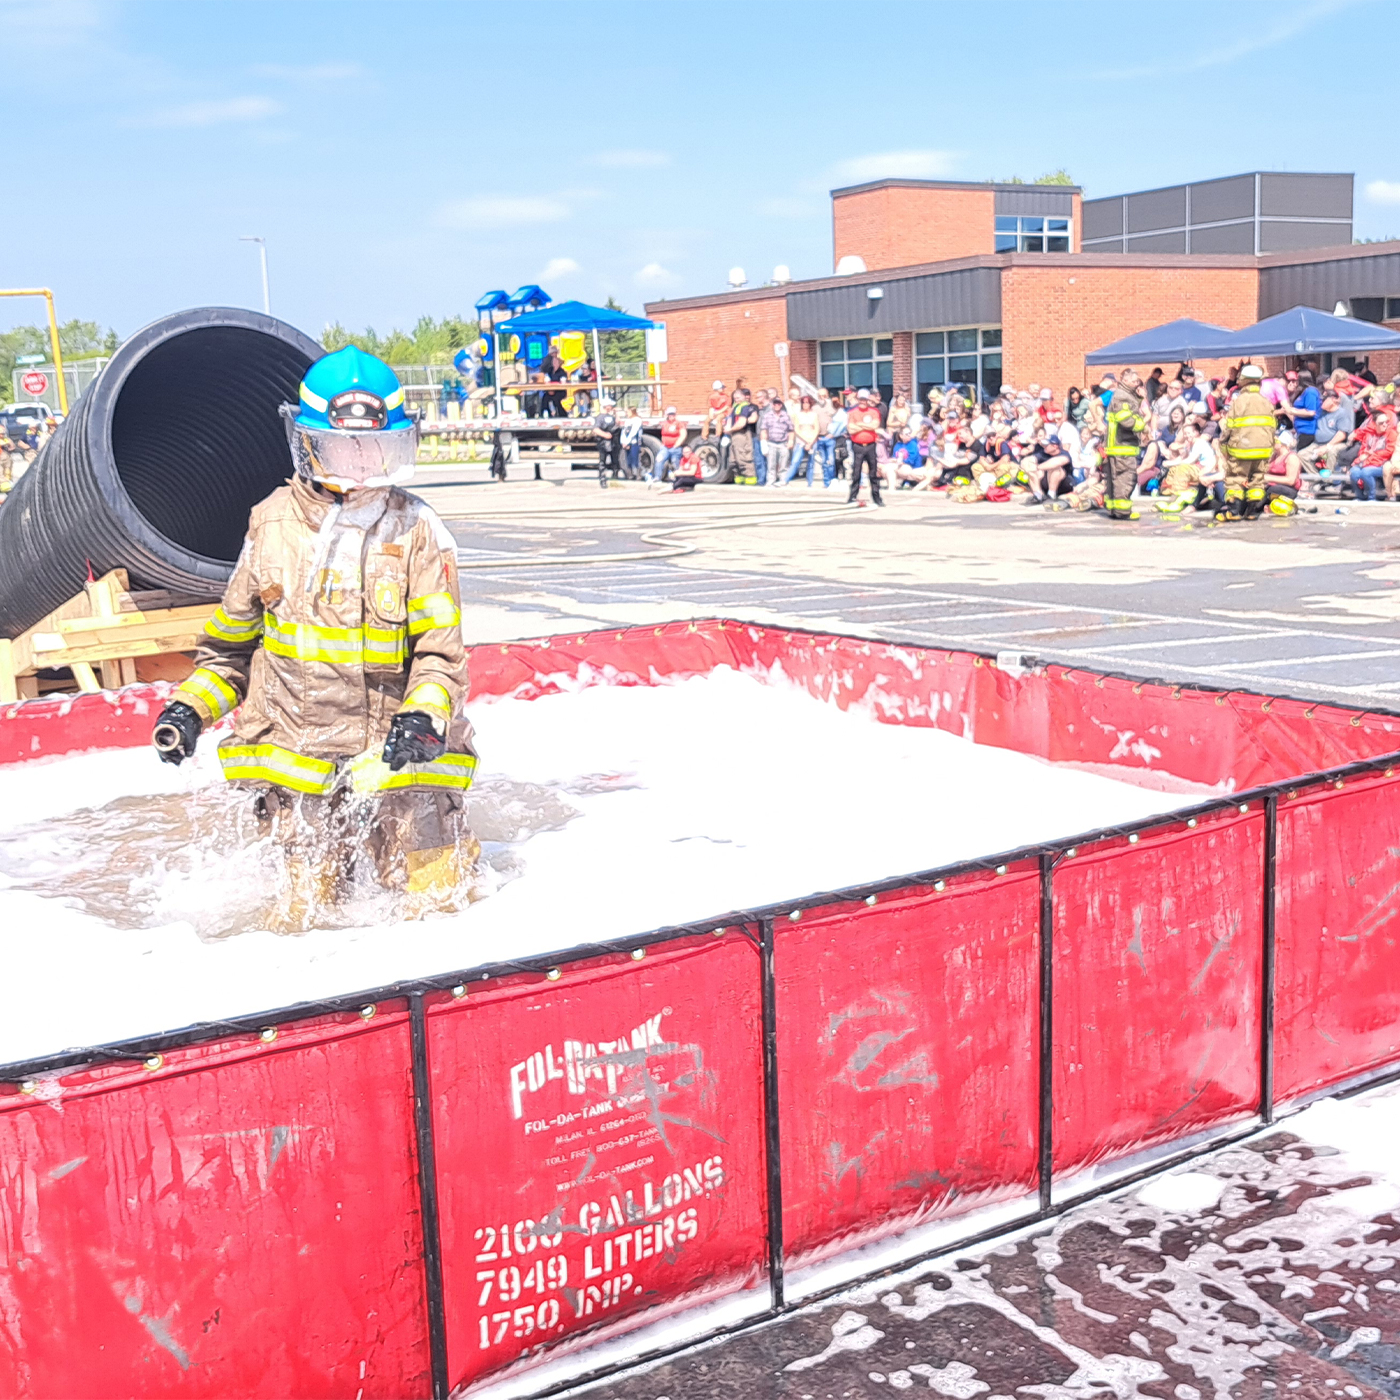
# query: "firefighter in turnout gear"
[[339, 644], [1247, 438], [1123, 443]]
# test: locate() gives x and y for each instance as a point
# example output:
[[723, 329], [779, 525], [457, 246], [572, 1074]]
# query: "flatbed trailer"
[[518, 440]]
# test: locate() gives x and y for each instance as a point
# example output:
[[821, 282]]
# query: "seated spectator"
[[687, 476], [1076, 406], [1157, 453], [1205, 456], [908, 464], [1191, 394], [1376, 444], [1284, 476], [1046, 465], [716, 409], [673, 433], [1331, 435]]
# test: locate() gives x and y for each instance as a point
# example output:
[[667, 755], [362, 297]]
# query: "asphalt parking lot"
[[1308, 606]]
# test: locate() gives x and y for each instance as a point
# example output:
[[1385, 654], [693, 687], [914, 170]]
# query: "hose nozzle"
[[166, 738]]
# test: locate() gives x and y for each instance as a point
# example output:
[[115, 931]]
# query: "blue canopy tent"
[[573, 316], [1304, 330], [1177, 340]]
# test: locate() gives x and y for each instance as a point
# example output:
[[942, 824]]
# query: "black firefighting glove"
[[176, 732], [412, 738]]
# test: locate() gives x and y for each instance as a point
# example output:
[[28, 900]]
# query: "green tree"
[[622, 347], [79, 340], [430, 342], [1055, 177]]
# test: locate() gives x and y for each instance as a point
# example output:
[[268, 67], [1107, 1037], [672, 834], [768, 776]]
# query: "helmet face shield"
[[353, 459]]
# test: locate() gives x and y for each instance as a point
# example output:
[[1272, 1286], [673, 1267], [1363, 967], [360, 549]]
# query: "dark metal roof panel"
[[1306, 196], [1290, 235], [1102, 218], [1057, 203], [1324, 284], [1215, 200], [971, 297], [1154, 209]]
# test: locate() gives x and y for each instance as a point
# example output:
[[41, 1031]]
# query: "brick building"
[[939, 281]]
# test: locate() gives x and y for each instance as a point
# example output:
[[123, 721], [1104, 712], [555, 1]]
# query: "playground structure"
[[431, 1185], [500, 409]]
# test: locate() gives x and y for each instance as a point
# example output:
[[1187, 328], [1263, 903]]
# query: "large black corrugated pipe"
[[157, 467]]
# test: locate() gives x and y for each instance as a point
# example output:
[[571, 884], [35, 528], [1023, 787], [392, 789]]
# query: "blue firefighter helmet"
[[349, 428]]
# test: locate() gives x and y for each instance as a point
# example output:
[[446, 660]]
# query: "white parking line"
[[1307, 660]]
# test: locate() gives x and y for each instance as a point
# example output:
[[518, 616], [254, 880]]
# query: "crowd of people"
[[1169, 444]]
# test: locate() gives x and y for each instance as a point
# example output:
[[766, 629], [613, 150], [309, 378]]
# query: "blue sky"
[[403, 158]]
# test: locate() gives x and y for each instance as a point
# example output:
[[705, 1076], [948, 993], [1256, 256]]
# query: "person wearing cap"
[[1247, 440], [716, 408], [607, 434], [863, 429], [673, 434], [1127, 424]]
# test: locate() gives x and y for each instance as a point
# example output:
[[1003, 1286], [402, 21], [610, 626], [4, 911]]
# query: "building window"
[[1375, 308], [865, 363], [1031, 234], [951, 357]]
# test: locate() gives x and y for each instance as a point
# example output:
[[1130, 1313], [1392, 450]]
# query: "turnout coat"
[[341, 612]]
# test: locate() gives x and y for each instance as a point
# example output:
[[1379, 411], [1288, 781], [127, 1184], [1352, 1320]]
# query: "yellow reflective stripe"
[[1249, 454], [432, 610], [1255, 493], [431, 695], [218, 696], [394, 399], [270, 763], [232, 629], [1255, 421], [452, 770], [369, 773], [342, 646], [385, 644], [314, 400]]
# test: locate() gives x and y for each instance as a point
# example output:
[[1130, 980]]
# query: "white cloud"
[[1383, 191], [897, 165], [1219, 55], [654, 275], [218, 113], [310, 72], [631, 160], [558, 267], [501, 211]]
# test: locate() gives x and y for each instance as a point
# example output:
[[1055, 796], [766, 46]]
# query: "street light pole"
[[262, 249]]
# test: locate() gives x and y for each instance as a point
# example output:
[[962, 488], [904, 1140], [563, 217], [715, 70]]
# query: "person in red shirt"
[[863, 428], [673, 434], [717, 409], [1376, 438]]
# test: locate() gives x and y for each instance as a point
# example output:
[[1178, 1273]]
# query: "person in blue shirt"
[[1304, 409]]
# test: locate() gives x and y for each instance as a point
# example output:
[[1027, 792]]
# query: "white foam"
[[719, 793]]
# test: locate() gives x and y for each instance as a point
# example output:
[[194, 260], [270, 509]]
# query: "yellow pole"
[[53, 337]]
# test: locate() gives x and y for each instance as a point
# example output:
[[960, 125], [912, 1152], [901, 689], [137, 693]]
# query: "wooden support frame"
[[98, 635]]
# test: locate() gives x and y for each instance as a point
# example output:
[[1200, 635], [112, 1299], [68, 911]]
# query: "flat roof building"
[[945, 281]]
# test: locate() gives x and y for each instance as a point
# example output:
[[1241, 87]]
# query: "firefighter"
[[1248, 442], [1123, 442], [339, 644]]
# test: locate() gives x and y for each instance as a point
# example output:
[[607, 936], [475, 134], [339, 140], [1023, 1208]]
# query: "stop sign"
[[35, 382]]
